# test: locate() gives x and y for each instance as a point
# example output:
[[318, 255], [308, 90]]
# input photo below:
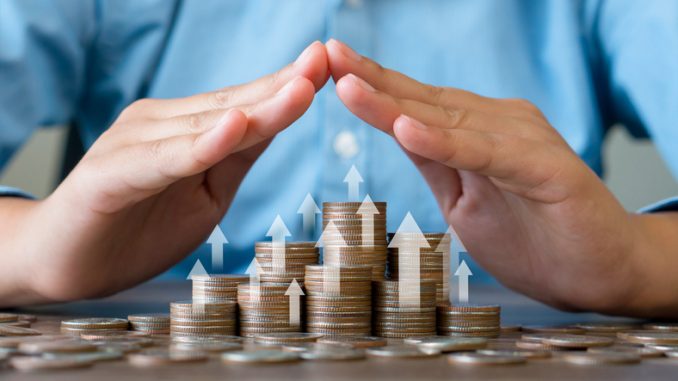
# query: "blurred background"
[[635, 172]]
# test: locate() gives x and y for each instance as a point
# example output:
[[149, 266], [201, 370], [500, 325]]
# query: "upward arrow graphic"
[[463, 272], [294, 292], [308, 209], [254, 271], [367, 210], [409, 240], [217, 240], [445, 247], [331, 272], [198, 294], [278, 232], [353, 179]]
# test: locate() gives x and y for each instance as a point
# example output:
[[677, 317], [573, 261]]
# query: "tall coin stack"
[[216, 288], [294, 255], [264, 308], [193, 318], [338, 301], [469, 320], [400, 316], [358, 235], [433, 264]]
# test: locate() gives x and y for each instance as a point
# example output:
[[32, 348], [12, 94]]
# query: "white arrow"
[[254, 270], [331, 271], [217, 240], [198, 295], [308, 210], [409, 240], [278, 232], [367, 210], [294, 292], [445, 248], [353, 179], [463, 272]]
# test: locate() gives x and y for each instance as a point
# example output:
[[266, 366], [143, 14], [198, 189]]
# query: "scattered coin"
[[486, 359], [57, 346], [452, 344], [333, 354], [25, 363], [8, 330], [575, 341], [643, 352], [304, 347], [662, 326], [399, 351], [207, 346], [99, 356], [6, 317], [260, 357], [554, 329], [355, 341], [649, 337], [606, 327], [160, 357], [526, 353], [589, 358]]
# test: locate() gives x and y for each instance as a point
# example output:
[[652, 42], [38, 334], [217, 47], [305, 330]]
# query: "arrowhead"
[[198, 269], [331, 230], [409, 234], [463, 269], [217, 237], [446, 245], [254, 268], [353, 176], [294, 289], [278, 229], [367, 207], [308, 206]]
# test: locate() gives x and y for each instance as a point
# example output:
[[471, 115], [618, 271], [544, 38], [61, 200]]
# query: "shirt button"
[[346, 145]]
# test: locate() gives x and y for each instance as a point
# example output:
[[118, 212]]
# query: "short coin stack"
[[294, 255], [401, 316], [433, 262], [338, 301], [201, 319], [264, 308], [152, 324], [93, 325], [469, 320], [216, 288], [354, 233]]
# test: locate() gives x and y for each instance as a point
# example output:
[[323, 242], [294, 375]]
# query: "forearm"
[[655, 258], [15, 274]]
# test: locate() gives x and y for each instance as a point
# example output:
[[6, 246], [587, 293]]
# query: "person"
[[500, 135]]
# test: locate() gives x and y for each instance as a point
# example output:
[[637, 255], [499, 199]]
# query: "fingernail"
[[304, 54], [348, 52], [360, 82], [413, 122]]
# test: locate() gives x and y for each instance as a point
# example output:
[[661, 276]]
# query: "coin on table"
[[260, 357], [659, 347], [576, 341], [486, 359], [333, 354], [277, 338], [535, 345], [18, 323], [95, 323], [649, 337], [659, 326], [207, 346], [6, 317], [98, 356], [452, 344], [8, 330], [643, 352], [606, 327], [554, 329], [27, 317], [355, 341], [25, 363], [58, 346], [160, 357], [671, 354], [15, 341], [399, 351], [589, 358], [527, 353]]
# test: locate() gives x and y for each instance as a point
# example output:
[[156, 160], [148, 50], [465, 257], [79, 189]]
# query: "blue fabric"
[[586, 64]]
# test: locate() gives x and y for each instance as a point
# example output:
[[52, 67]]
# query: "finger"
[[517, 165], [142, 170], [311, 64]]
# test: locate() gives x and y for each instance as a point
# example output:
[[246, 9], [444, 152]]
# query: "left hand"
[[527, 208]]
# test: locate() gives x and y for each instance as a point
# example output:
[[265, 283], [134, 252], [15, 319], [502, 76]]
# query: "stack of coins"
[[469, 320], [217, 288], [152, 324], [264, 308], [356, 236], [399, 313], [201, 319], [338, 301], [93, 325], [294, 257], [433, 263]]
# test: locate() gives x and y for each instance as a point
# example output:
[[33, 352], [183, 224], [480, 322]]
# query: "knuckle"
[[220, 99], [457, 117], [437, 94], [195, 122]]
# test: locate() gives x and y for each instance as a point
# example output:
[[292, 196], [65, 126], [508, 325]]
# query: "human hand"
[[527, 208], [155, 184]]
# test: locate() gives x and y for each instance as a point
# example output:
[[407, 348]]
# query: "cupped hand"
[[527, 208], [155, 184]]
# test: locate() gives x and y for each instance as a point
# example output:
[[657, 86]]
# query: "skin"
[[524, 204]]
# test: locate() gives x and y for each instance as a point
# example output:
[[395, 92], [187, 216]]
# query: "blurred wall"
[[635, 172]]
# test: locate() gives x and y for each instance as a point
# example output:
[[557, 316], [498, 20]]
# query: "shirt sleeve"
[[42, 65]]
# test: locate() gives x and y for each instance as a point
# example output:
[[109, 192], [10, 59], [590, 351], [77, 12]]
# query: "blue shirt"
[[586, 64]]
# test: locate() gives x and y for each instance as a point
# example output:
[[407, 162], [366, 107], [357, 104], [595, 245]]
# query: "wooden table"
[[155, 297]]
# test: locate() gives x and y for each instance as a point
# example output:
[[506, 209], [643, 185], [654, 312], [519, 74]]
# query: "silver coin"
[[643, 352], [160, 357], [452, 344], [399, 351], [576, 341], [588, 358], [207, 346], [305, 347], [259, 357], [527, 353], [334, 354], [27, 364], [98, 356], [485, 359]]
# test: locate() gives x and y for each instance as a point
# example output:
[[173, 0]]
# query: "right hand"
[[154, 185]]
